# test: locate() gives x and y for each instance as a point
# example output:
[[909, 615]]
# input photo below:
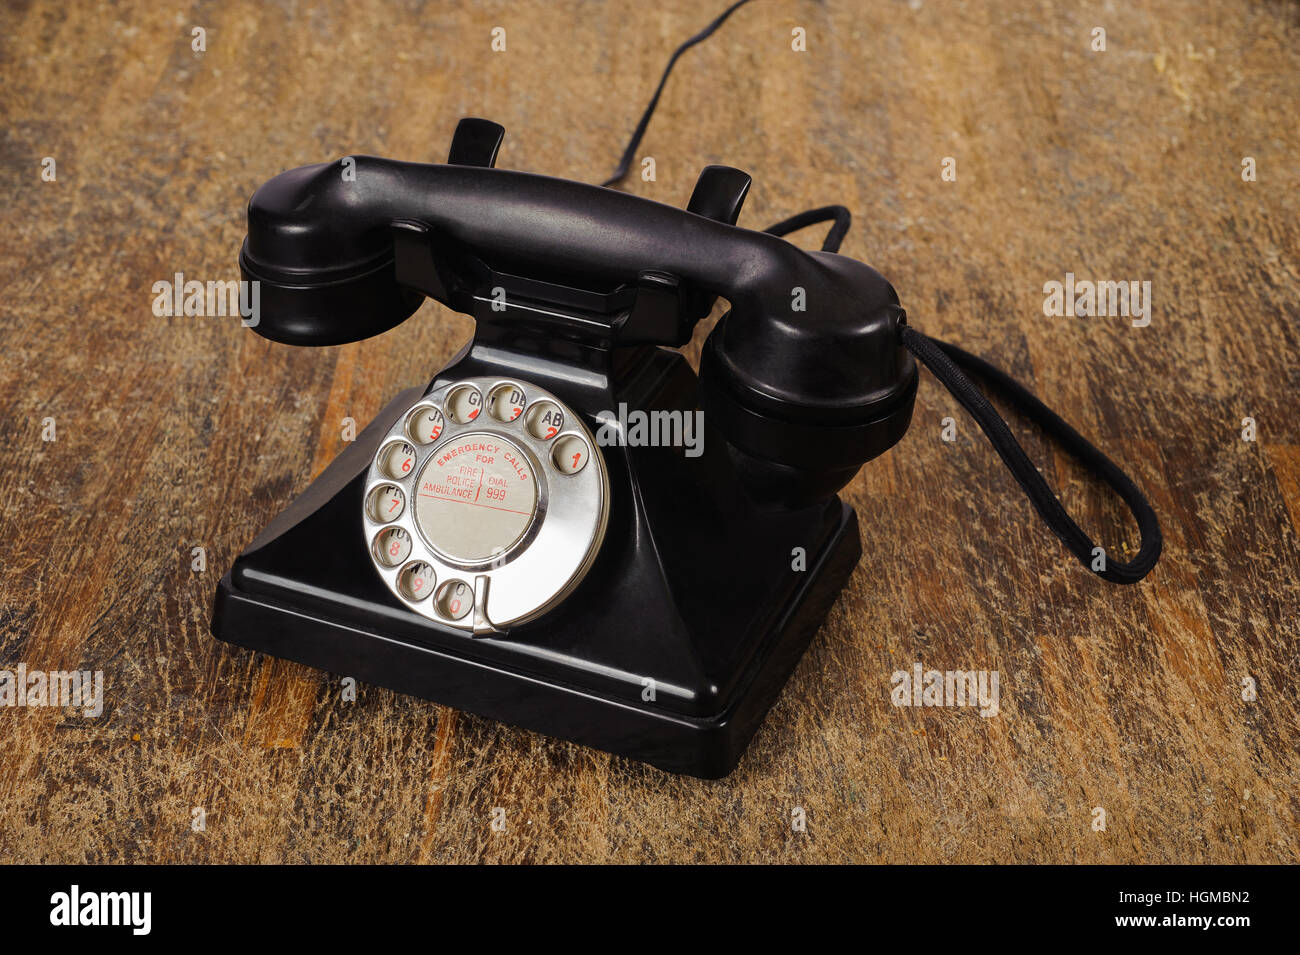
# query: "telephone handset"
[[506, 540]]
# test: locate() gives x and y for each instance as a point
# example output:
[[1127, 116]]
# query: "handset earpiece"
[[805, 397], [325, 272], [320, 243]]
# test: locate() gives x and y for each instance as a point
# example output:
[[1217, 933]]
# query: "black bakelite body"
[[716, 570]]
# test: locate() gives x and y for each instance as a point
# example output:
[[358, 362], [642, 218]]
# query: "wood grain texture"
[[175, 433]]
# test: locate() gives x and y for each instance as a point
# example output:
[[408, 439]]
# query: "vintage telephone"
[[496, 541]]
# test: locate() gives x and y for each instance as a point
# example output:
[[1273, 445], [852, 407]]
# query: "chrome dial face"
[[486, 504]]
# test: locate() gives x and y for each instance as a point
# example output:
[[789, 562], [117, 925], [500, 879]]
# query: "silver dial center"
[[475, 497]]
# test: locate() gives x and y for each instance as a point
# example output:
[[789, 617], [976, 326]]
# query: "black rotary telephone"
[[568, 530]]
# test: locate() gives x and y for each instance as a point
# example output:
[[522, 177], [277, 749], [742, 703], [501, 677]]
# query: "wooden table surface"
[[177, 433]]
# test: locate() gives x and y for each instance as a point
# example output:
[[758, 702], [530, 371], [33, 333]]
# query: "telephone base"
[[670, 651], [707, 745]]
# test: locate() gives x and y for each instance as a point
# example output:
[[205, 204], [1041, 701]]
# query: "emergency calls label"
[[475, 498]]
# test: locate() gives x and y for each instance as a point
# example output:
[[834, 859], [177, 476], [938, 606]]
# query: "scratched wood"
[[175, 433]]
